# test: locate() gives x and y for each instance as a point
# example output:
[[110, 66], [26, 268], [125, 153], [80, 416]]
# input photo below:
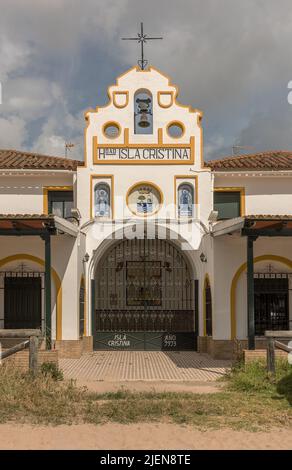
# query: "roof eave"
[[244, 171], [36, 170]]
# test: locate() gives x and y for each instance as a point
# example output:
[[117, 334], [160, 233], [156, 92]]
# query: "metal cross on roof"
[[142, 39]]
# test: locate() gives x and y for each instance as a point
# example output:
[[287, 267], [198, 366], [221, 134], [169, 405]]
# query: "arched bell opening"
[[143, 112]]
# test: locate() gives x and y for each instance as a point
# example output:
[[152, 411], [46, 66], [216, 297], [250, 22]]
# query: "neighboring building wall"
[[263, 194], [229, 256], [64, 262], [207, 269]]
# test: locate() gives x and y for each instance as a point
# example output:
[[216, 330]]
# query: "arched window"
[[102, 206], [82, 308], [208, 308], [185, 200], [143, 112]]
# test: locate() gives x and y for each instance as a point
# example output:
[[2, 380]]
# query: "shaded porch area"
[[30, 288], [267, 302]]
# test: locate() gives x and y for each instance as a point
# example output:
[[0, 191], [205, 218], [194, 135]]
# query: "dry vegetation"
[[251, 399]]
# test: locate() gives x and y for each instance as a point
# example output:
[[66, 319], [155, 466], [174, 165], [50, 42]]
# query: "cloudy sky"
[[230, 58]]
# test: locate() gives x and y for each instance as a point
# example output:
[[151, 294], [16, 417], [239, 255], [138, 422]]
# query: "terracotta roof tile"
[[25, 216], [17, 160], [268, 217], [273, 160]]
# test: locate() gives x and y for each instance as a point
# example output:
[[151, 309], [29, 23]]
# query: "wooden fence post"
[[33, 354], [271, 356]]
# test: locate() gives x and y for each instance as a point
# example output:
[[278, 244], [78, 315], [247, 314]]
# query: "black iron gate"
[[144, 298], [22, 302], [271, 302]]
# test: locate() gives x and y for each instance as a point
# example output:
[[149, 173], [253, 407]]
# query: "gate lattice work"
[[272, 302], [144, 285]]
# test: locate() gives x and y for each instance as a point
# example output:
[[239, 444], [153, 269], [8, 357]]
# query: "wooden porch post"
[[250, 294], [48, 290], [92, 306], [196, 307]]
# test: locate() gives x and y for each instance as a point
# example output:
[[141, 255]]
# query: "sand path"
[[137, 436]]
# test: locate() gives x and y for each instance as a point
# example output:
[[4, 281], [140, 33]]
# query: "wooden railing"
[[32, 342], [274, 343]]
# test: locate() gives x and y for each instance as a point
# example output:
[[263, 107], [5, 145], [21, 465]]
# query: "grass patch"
[[38, 400], [251, 399], [255, 378]]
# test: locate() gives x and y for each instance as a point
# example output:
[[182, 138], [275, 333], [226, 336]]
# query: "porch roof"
[[255, 225], [35, 224]]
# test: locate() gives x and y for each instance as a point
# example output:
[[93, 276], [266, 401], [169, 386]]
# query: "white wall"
[[126, 175], [229, 255], [23, 194], [263, 194], [64, 260]]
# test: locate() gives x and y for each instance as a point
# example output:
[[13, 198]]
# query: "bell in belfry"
[[144, 109], [144, 122]]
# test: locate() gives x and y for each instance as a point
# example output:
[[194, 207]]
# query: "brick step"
[[7, 343], [20, 360]]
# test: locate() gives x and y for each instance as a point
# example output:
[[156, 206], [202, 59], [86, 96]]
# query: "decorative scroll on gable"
[[144, 124], [120, 99], [165, 98]]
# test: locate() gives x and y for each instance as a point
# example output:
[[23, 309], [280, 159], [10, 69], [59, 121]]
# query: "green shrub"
[[254, 377], [284, 387], [52, 370]]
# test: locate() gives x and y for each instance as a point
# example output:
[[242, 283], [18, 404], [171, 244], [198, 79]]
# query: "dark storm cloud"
[[230, 58]]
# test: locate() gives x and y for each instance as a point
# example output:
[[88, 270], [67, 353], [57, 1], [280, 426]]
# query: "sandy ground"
[[137, 436], [151, 386]]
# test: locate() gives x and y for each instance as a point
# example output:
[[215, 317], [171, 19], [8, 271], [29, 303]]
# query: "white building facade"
[[144, 246]]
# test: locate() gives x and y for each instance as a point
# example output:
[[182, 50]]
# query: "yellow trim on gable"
[[96, 145], [57, 282], [199, 124], [178, 124], [113, 124], [86, 117], [112, 91], [120, 106], [240, 270], [147, 70], [171, 93]]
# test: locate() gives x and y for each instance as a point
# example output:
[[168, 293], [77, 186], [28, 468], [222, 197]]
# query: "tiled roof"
[[274, 225], [274, 160], [16, 160], [268, 217], [24, 223], [25, 216]]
